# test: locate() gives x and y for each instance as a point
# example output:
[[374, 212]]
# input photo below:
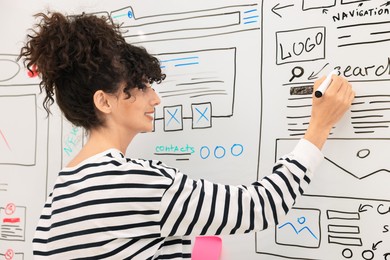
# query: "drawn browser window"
[[212, 58]]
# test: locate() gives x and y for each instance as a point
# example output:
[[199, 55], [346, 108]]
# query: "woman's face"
[[135, 114]]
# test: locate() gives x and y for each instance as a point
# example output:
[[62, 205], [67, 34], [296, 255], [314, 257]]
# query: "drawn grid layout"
[[335, 218]]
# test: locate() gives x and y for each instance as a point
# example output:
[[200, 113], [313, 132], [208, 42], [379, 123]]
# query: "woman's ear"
[[102, 101]]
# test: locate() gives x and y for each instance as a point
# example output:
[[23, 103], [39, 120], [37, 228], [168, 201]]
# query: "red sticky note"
[[207, 248]]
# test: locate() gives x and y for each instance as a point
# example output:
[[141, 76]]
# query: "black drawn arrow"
[[277, 8], [362, 207], [375, 245], [314, 75], [386, 4], [325, 11]]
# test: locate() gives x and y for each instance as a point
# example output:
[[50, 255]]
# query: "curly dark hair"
[[77, 55]]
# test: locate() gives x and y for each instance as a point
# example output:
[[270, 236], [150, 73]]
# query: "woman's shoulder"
[[153, 165], [113, 159], [85, 157]]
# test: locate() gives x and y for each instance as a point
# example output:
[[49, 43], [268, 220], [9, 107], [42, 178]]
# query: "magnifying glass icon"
[[296, 72]]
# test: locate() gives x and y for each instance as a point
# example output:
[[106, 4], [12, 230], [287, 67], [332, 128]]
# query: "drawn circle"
[[202, 155], [368, 255], [237, 149], [9, 254], [363, 153], [347, 253], [9, 69], [387, 256], [301, 220], [220, 154], [10, 209]]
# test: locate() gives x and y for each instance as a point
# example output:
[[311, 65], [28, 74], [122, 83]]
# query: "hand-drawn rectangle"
[[315, 4], [344, 229], [18, 129], [188, 24], [301, 228], [346, 241], [333, 214], [13, 225], [205, 76], [307, 44]]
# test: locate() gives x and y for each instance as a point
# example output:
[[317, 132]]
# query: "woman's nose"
[[156, 98]]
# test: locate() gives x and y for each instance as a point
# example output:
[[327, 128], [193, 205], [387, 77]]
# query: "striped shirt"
[[112, 207]]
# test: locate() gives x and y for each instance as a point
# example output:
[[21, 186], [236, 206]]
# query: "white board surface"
[[235, 98]]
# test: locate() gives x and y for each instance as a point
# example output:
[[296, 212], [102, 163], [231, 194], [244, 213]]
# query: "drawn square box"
[[201, 115], [301, 228], [18, 129], [316, 4], [173, 118]]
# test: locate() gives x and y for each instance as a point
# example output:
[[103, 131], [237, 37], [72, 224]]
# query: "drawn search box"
[[195, 23], [201, 22]]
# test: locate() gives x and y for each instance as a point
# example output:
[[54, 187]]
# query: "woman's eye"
[[147, 88]]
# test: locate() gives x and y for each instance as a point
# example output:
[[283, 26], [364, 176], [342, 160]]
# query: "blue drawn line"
[[299, 231], [248, 22], [173, 116], [119, 15], [250, 17], [186, 64], [202, 114], [176, 59], [250, 11]]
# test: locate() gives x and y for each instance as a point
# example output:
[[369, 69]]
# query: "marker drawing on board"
[[325, 84]]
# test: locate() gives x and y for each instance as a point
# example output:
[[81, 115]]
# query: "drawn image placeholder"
[[301, 228]]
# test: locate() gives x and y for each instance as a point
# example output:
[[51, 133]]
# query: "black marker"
[[325, 84]]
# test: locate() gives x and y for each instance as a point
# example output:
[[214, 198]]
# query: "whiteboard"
[[236, 97]]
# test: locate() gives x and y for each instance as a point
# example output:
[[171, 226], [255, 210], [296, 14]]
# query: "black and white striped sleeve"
[[200, 207]]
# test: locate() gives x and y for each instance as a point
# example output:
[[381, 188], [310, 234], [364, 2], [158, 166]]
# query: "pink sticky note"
[[207, 248]]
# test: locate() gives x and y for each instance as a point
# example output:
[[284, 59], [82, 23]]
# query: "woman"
[[107, 206]]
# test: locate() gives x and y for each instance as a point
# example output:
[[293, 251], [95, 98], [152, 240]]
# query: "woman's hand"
[[328, 109]]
